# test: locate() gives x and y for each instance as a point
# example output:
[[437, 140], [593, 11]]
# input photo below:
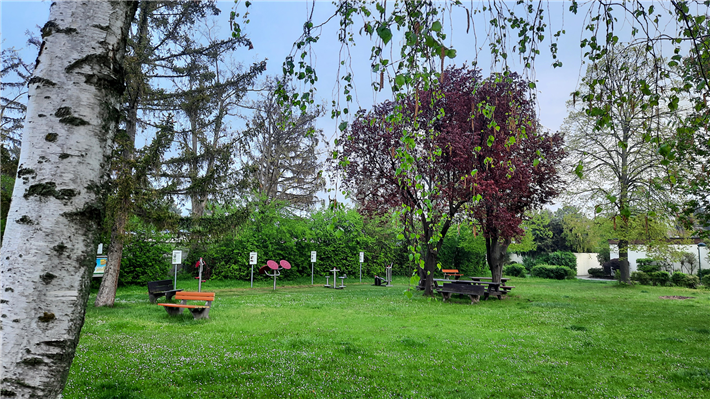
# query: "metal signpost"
[[362, 259], [313, 261], [177, 260], [252, 262]]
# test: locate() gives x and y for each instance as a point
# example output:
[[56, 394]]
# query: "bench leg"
[[173, 311], [201, 313], [169, 296], [153, 299], [474, 299], [445, 296]]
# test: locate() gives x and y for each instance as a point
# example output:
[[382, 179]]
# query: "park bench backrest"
[[449, 270], [195, 296], [160, 285]]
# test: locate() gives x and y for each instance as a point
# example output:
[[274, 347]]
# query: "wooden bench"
[[156, 289], [451, 273], [473, 291], [198, 312]]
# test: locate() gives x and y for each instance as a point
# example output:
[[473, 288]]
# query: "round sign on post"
[[252, 262]]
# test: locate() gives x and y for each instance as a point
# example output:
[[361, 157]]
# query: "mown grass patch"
[[549, 339]]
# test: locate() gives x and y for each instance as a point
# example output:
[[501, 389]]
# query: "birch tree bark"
[[49, 250]]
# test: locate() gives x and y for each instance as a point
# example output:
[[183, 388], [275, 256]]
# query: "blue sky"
[[274, 26]]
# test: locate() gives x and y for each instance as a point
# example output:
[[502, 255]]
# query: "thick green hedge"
[[552, 272], [514, 270]]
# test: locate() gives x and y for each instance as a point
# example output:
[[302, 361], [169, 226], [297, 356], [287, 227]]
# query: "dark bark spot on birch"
[[32, 361], [73, 121], [47, 277], [100, 60], [63, 343], [41, 115], [51, 137], [43, 159], [50, 27], [9, 289], [47, 317], [91, 212], [25, 220], [25, 172], [39, 80], [104, 28], [59, 248], [64, 155], [9, 394], [62, 112], [16, 321], [3, 301], [50, 190]]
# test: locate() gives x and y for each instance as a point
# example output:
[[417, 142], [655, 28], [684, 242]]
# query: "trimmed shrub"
[[552, 272], [561, 258], [597, 272], [660, 278], [706, 280], [679, 279], [692, 281], [531, 261], [702, 273], [514, 270], [611, 266], [647, 265], [641, 278]]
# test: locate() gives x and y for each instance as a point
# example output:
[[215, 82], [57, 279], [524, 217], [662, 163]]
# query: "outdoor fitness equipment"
[[202, 265], [388, 277], [276, 267]]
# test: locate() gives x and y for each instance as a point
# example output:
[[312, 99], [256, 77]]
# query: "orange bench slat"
[[177, 305], [195, 296]]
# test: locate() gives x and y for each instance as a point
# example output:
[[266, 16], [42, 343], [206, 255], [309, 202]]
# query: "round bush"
[[641, 278], [597, 272], [514, 270], [660, 278], [706, 280], [563, 258], [552, 272], [679, 279], [692, 281], [647, 265]]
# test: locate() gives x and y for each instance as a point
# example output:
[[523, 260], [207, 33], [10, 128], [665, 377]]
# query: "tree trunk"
[[124, 204], [624, 269], [49, 251], [430, 260], [495, 251]]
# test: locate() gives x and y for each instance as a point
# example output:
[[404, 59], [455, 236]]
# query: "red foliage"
[[477, 144]]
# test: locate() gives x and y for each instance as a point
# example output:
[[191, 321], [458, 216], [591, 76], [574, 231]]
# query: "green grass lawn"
[[549, 339]]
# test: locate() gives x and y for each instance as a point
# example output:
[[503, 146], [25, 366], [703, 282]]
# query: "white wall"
[[634, 255], [586, 261]]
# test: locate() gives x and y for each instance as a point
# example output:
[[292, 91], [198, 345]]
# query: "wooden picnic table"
[[492, 289]]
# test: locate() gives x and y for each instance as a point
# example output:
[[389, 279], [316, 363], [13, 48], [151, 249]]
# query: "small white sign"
[[252, 258], [313, 256], [177, 257], [362, 257], [100, 250]]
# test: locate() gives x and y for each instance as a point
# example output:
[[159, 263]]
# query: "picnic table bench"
[[451, 273], [489, 288], [198, 311], [159, 288], [474, 292]]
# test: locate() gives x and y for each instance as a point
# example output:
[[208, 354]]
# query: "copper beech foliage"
[[471, 148]]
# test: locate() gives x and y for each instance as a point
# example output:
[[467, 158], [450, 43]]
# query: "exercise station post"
[[252, 262], [362, 259], [313, 262], [177, 260]]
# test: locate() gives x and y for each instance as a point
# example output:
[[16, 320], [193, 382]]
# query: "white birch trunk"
[[49, 253]]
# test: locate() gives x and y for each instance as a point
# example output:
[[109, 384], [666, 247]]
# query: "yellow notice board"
[[100, 266]]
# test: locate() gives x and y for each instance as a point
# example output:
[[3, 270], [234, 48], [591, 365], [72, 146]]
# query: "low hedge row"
[[553, 272], [663, 278]]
